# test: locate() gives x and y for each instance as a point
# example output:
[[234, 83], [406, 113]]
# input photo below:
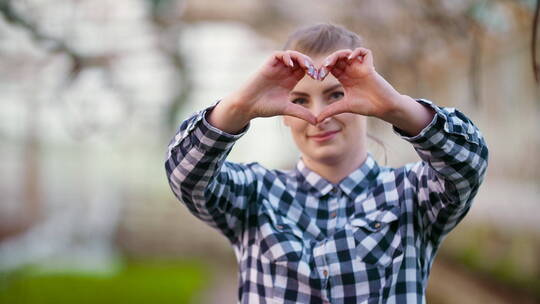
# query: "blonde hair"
[[322, 38], [325, 38]]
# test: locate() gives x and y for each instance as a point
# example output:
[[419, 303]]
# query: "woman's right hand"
[[266, 93]]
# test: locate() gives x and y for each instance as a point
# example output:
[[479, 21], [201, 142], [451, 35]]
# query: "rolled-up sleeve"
[[214, 190], [454, 158]]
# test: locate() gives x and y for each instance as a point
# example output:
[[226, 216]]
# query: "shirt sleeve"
[[214, 190], [454, 158]]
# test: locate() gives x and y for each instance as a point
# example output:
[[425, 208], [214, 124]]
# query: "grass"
[[137, 282]]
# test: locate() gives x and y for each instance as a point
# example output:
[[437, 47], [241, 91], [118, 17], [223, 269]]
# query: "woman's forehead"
[[308, 85]]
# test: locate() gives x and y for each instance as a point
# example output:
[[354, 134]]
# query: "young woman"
[[339, 228]]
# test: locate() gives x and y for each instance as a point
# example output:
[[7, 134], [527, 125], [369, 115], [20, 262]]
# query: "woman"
[[338, 228]]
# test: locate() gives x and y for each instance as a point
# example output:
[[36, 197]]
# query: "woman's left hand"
[[366, 92]]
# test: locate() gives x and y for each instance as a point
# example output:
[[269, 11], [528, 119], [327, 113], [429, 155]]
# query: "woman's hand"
[[366, 92], [266, 93], [269, 88]]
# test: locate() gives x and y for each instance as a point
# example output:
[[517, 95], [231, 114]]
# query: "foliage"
[[137, 282]]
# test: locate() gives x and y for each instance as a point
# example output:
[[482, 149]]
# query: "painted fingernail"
[[313, 73], [322, 73]]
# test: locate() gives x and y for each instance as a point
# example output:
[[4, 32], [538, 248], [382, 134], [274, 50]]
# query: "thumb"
[[300, 112], [333, 109]]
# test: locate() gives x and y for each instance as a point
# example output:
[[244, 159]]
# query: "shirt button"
[[280, 227], [333, 214], [325, 272], [377, 225]]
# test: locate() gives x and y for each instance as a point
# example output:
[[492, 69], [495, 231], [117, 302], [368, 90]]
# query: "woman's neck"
[[337, 170]]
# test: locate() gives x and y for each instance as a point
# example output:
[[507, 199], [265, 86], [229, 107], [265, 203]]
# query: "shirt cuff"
[[427, 130], [446, 120], [210, 138]]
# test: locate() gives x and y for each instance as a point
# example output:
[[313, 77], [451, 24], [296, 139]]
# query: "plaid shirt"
[[298, 238]]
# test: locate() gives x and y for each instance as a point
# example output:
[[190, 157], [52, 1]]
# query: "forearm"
[[228, 115], [408, 115], [454, 148], [194, 156], [454, 161], [202, 180]]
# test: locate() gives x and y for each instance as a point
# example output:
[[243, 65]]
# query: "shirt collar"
[[352, 185]]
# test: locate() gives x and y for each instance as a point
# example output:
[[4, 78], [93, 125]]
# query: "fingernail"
[[312, 71], [322, 73], [291, 62], [327, 62]]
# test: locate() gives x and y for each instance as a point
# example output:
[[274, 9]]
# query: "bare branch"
[[54, 45], [534, 41]]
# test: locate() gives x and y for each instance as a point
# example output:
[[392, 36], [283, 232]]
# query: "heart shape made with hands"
[[354, 70]]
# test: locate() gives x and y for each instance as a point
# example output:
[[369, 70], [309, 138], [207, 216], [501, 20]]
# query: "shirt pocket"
[[377, 238], [280, 240]]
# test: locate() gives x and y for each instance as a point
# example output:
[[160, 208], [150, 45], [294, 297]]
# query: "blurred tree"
[[167, 17], [534, 42]]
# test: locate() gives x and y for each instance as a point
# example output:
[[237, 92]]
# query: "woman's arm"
[[214, 190], [453, 151], [454, 161]]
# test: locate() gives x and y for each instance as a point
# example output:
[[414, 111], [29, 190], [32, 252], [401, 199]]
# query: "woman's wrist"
[[409, 115], [230, 115]]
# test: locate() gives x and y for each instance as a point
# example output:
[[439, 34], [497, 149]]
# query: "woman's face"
[[336, 139]]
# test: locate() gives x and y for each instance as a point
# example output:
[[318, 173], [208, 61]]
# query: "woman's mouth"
[[325, 136]]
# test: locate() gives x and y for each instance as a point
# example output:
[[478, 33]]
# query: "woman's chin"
[[327, 155]]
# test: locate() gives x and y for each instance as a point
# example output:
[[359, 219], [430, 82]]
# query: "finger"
[[284, 58], [275, 60], [305, 62], [341, 63], [300, 112], [334, 57], [339, 67], [333, 109], [299, 73], [323, 72], [288, 60], [358, 52], [337, 72]]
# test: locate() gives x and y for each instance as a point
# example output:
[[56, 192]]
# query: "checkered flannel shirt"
[[298, 238]]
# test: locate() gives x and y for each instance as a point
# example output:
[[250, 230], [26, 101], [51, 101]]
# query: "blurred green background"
[[91, 92], [135, 282]]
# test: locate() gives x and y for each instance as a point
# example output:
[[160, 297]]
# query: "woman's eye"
[[337, 95], [299, 101]]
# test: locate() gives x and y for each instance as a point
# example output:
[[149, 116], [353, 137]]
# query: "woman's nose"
[[318, 108]]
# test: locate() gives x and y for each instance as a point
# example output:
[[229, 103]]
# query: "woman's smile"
[[339, 137], [322, 137]]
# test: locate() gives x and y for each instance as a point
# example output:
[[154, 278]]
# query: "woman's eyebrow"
[[298, 93], [324, 92], [332, 88]]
